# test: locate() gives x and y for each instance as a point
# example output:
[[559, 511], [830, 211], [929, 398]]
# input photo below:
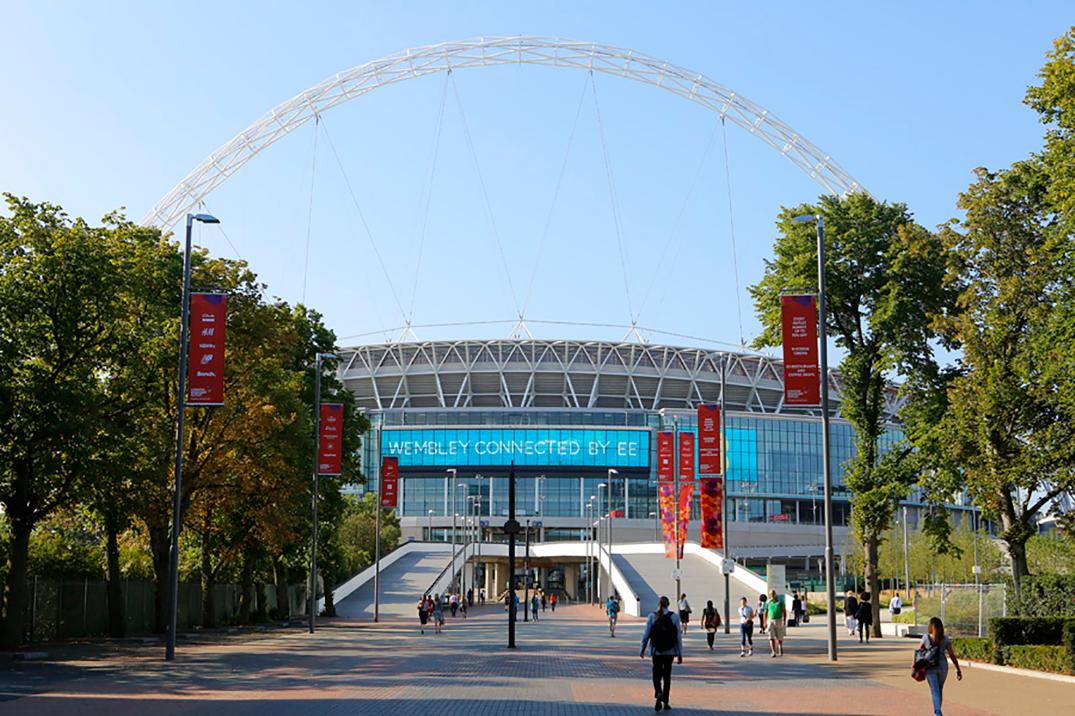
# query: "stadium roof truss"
[[558, 374], [487, 52]]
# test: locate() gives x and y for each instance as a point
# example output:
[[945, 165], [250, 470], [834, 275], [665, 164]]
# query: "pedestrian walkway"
[[565, 664]]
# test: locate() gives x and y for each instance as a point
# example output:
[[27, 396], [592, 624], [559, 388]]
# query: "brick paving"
[[565, 664]]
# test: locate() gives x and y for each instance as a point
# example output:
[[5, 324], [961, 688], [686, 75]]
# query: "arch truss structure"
[[485, 52]]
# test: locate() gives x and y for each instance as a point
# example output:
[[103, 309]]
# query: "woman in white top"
[[746, 628], [684, 611]]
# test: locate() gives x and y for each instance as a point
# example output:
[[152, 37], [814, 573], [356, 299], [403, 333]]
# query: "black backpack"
[[663, 635]]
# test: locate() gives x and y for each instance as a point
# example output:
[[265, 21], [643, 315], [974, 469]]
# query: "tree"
[[62, 302], [884, 282], [1010, 420]]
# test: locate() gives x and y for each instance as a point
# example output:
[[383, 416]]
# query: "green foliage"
[[1006, 631], [356, 532], [974, 648], [67, 545], [1069, 644], [1046, 595], [1050, 554], [1037, 657], [928, 564], [884, 281]]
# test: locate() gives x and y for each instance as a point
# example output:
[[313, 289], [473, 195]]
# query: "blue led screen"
[[523, 446]]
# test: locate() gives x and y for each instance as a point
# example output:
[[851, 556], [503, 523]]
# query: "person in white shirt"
[[746, 628], [684, 611], [895, 605]]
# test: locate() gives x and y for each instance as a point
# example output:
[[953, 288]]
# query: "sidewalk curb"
[[1048, 675]]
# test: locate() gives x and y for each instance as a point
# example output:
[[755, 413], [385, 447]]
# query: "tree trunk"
[[279, 573], [159, 545], [1020, 569], [208, 582], [117, 619], [13, 624], [246, 587], [873, 584], [259, 601]]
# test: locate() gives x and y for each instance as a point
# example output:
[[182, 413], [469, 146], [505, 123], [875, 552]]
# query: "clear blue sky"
[[110, 104]]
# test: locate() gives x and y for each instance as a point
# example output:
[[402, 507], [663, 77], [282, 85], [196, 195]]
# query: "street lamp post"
[[458, 582], [611, 472], [314, 495], [453, 471], [430, 515], [526, 575], [601, 592], [656, 524], [589, 550], [830, 577], [181, 406]]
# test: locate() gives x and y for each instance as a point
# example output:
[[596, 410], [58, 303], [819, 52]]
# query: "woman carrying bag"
[[931, 661], [710, 622]]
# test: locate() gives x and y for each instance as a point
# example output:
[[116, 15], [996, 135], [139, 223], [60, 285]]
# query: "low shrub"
[[904, 617], [1046, 595], [1038, 657], [1007, 631], [1069, 644], [975, 648]]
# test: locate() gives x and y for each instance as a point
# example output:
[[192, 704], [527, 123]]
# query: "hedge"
[[1038, 657], [1007, 631], [977, 649], [1045, 595], [1069, 644]]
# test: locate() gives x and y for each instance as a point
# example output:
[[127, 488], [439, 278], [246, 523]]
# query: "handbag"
[[918, 674], [926, 656]]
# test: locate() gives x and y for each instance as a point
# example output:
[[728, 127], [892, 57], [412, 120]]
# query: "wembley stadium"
[[572, 415]]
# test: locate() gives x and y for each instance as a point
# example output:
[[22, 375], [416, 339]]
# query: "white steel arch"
[[485, 52]]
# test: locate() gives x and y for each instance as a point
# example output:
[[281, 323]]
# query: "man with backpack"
[[612, 608], [664, 636]]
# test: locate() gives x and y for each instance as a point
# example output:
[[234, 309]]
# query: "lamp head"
[[326, 356], [206, 218], [804, 218]]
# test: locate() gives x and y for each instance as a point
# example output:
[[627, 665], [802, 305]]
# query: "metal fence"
[[70, 609], [965, 609]]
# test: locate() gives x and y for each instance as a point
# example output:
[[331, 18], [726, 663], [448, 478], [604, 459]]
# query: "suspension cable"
[[731, 225], [484, 195], [673, 232], [310, 210], [613, 200], [426, 194], [365, 225], [555, 196]]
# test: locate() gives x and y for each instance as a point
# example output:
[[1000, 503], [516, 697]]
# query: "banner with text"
[[330, 440], [389, 482], [686, 486], [709, 440], [666, 454], [205, 354], [712, 495], [798, 315]]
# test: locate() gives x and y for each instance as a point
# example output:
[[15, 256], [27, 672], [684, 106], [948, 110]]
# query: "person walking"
[[684, 611], [438, 614], [932, 655], [423, 614], [895, 605], [535, 605], [746, 628], [544, 601], [664, 637], [481, 595], [463, 608], [760, 611], [453, 603], [552, 602], [710, 622], [796, 608], [864, 616], [612, 609], [777, 618], [851, 608]]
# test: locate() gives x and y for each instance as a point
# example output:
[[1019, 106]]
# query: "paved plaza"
[[565, 664]]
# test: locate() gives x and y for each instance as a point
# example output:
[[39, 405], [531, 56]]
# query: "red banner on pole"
[[709, 447], [330, 441], [668, 516], [686, 457], [801, 375], [712, 519], [666, 453], [389, 481], [205, 350]]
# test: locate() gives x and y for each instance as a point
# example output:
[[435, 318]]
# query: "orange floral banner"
[[712, 522], [668, 516], [686, 492]]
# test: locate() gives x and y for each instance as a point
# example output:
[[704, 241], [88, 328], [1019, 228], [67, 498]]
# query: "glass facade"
[[774, 462]]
